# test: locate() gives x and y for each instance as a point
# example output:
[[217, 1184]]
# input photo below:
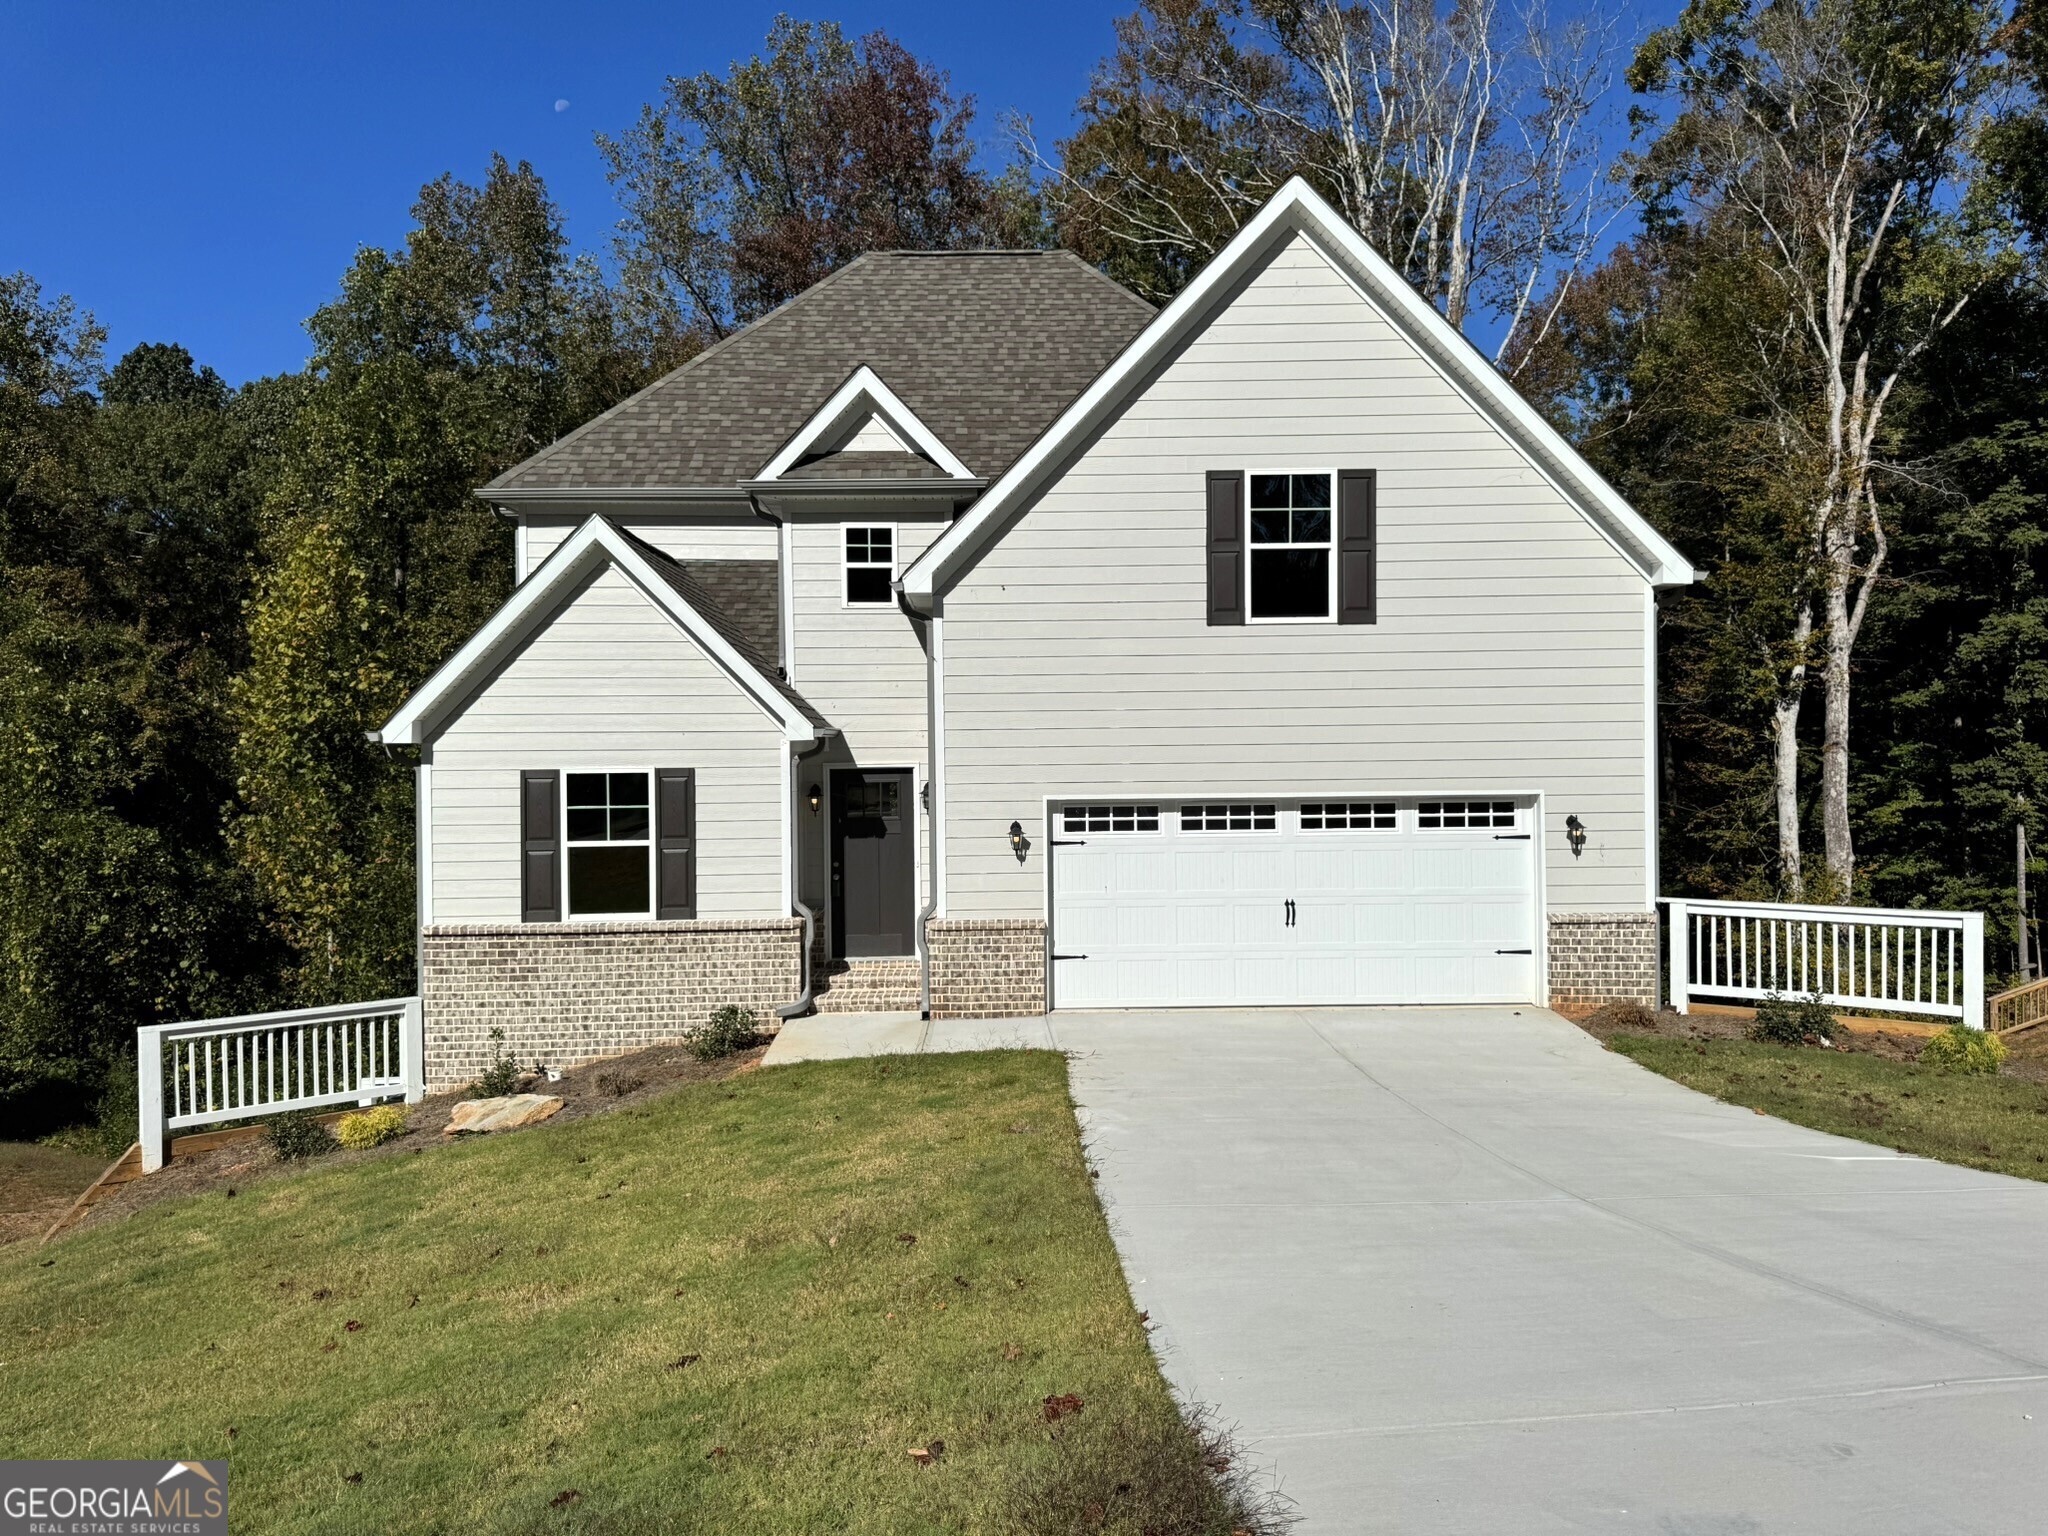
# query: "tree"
[[438, 365], [127, 534], [742, 190], [1832, 141], [1461, 144]]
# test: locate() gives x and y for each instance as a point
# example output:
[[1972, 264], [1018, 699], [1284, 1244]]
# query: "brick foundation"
[[987, 968], [1598, 958], [567, 993]]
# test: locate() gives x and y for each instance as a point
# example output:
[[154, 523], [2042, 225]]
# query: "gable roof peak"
[[1297, 208]]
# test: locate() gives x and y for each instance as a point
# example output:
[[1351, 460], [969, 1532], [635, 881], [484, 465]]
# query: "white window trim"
[[653, 897], [1249, 546], [845, 565]]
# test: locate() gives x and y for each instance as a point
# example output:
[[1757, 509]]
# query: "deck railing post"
[[1680, 955], [1973, 970], [151, 1129], [413, 1054]]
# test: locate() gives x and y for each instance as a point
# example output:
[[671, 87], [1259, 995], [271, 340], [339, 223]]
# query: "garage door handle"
[[1070, 957], [1070, 842], [1499, 952], [1511, 837]]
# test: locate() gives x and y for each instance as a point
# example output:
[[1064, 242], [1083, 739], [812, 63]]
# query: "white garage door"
[[1191, 903]]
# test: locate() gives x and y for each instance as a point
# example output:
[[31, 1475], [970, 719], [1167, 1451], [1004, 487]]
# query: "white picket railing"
[[260, 1064], [1892, 959]]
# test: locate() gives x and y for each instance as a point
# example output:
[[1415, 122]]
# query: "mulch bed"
[[38, 1184], [598, 1088], [1633, 1019]]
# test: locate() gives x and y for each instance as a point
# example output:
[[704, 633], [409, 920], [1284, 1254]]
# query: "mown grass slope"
[[1998, 1123], [734, 1309]]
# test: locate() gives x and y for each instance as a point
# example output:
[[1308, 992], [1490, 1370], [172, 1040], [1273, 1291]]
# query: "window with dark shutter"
[[1358, 546], [675, 855], [1226, 546], [540, 847]]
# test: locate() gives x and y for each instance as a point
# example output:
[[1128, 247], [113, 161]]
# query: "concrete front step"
[[869, 986]]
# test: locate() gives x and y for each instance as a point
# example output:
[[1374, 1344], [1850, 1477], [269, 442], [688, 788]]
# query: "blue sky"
[[202, 173]]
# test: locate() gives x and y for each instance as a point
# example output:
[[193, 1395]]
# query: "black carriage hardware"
[[1511, 837]]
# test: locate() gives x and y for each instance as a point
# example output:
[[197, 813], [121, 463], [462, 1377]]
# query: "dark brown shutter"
[[1358, 546], [1226, 546], [540, 847], [675, 842]]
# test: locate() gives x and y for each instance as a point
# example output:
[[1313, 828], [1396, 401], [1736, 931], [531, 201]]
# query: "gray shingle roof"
[[985, 346], [734, 601], [866, 465]]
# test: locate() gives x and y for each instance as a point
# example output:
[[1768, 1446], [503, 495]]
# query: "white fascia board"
[[864, 387], [532, 603], [1297, 208]]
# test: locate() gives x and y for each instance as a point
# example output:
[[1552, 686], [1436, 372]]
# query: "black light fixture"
[[1017, 843], [1575, 834], [816, 797]]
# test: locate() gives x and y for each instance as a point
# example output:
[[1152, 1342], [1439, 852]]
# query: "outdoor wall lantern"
[[816, 796], [1017, 842], [1575, 834]]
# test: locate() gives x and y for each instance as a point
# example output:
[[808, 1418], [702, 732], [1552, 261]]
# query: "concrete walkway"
[[1461, 1270], [836, 1036]]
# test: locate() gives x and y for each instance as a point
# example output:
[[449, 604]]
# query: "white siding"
[[609, 683], [863, 669], [686, 536], [1508, 656]]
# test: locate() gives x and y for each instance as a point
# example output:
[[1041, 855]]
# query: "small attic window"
[[870, 566]]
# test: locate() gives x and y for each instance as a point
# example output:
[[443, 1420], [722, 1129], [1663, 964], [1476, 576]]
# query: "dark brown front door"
[[872, 858]]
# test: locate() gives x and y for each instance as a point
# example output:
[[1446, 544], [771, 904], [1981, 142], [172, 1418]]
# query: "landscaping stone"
[[506, 1114]]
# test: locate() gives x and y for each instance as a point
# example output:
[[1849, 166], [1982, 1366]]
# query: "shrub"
[[1961, 1049], [729, 1029], [119, 1113], [1780, 1021], [370, 1127], [296, 1135], [501, 1076], [616, 1084]]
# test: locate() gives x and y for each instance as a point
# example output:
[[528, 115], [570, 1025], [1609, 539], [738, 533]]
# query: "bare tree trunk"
[[1785, 759], [1840, 642], [1846, 591]]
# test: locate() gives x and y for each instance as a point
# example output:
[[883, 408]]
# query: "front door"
[[873, 852]]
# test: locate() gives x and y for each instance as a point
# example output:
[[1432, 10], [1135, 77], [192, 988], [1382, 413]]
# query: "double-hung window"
[[609, 844], [870, 566], [1293, 565]]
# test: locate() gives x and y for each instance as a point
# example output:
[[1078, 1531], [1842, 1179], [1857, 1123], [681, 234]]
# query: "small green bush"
[[729, 1029], [1780, 1021], [370, 1127], [297, 1135], [501, 1076], [1972, 1052]]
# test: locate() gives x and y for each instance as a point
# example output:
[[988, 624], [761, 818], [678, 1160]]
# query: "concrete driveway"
[[1462, 1270]]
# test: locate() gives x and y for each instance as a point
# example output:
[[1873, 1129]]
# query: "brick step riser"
[[876, 988]]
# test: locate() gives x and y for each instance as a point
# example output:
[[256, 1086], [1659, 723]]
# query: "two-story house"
[[967, 635]]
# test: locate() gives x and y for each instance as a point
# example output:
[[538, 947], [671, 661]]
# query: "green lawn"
[[704, 1314], [1999, 1123]]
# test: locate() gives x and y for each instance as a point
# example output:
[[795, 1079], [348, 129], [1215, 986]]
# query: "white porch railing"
[[1851, 957], [267, 1063]]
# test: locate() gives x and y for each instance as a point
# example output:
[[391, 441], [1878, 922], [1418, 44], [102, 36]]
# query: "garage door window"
[[1347, 816], [1229, 818], [1110, 818], [1464, 815]]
